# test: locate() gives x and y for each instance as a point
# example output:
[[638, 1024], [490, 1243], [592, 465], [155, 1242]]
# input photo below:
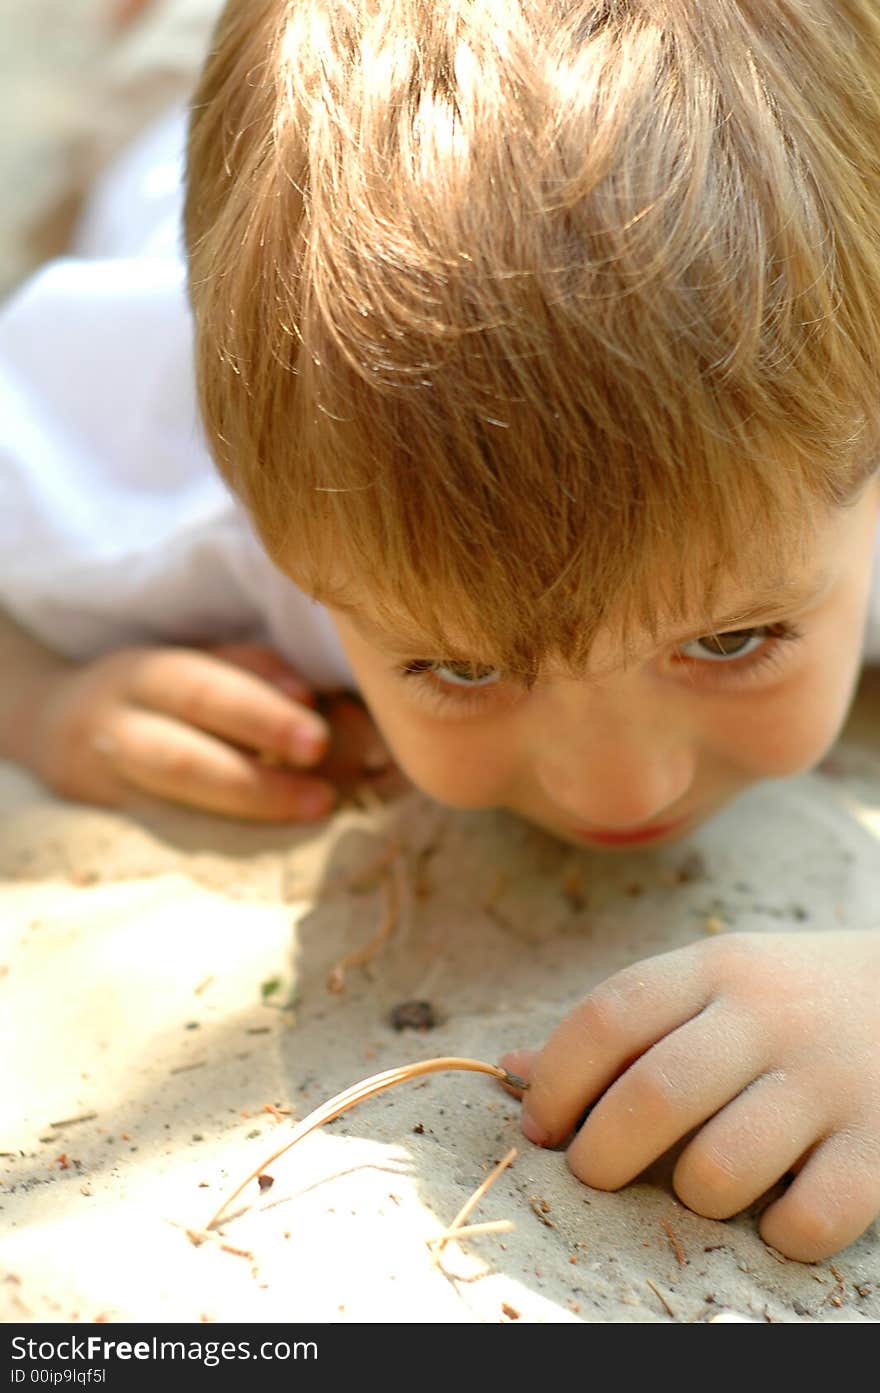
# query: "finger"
[[201, 690], [158, 755], [832, 1201], [264, 662], [670, 1089], [750, 1145], [610, 1028]]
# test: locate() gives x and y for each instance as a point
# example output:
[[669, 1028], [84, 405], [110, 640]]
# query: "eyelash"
[[761, 660], [733, 672], [430, 689]]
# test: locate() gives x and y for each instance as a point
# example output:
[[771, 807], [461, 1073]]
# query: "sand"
[[166, 1014]]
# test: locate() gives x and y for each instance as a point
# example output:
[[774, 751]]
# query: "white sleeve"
[[114, 525]]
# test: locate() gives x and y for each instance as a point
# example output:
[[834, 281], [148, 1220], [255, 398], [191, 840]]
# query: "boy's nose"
[[619, 778]]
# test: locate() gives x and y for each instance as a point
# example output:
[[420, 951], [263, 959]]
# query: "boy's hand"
[[769, 1044], [229, 729]]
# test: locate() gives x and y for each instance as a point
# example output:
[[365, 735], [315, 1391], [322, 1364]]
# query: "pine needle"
[[456, 1229], [470, 1231], [341, 1102]]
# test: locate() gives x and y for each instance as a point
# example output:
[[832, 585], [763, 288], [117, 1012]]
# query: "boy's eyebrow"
[[785, 597], [398, 640]]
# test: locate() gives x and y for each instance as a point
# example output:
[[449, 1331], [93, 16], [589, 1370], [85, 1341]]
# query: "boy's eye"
[[465, 674], [458, 674], [720, 648]]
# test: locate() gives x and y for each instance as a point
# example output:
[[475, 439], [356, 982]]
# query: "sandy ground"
[[166, 1011]]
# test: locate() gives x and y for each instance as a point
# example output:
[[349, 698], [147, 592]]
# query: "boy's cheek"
[[796, 731], [455, 767], [451, 773]]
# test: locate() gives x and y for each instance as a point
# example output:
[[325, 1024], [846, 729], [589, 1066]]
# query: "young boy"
[[539, 348]]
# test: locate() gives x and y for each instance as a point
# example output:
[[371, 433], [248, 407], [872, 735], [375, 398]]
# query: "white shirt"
[[115, 527]]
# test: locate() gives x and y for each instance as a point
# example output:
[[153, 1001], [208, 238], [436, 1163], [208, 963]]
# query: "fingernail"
[[531, 1130], [518, 1061], [318, 802], [308, 741], [291, 685]]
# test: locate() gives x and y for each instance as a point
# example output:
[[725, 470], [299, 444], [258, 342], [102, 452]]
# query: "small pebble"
[[413, 1015]]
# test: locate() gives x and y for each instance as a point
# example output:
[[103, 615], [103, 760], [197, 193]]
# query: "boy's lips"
[[609, 837]]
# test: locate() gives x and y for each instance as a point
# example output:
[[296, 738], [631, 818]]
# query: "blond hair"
[[514, 317]]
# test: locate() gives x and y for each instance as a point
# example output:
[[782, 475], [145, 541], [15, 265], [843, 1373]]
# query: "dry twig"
[[676, 1246], [236, 1252], [661, 1298], [359, 956], [542, 1209], [366, 876], [72, 1121]]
